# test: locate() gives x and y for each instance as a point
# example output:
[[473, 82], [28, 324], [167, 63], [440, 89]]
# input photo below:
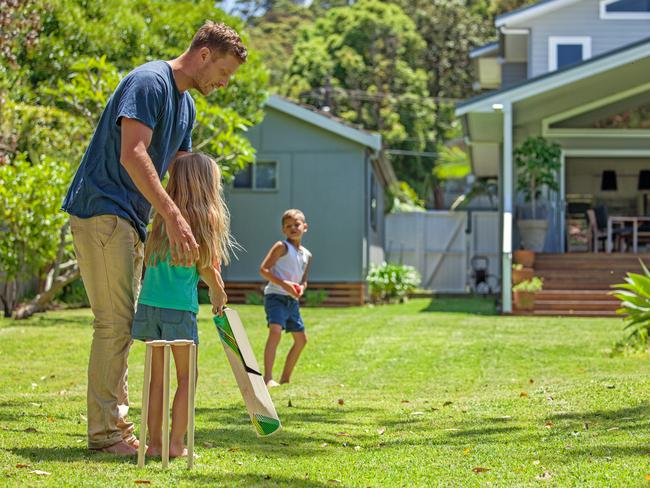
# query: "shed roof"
[[325, 122]]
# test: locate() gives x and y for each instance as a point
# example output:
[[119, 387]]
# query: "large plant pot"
[[519, 275], [533, 233], [524, 300], [524, 257]]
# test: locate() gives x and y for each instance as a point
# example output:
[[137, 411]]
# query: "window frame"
[[253, 186], [605, 15], [555, 41]]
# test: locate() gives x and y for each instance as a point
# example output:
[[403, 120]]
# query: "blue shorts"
[[285, 311], [168, 324]]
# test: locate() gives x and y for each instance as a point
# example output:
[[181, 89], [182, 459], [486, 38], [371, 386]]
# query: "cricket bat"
[[247, 373]]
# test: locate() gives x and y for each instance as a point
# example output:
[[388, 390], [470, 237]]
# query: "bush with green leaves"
[[390, 282], [254, 298], [634, 295], [531, 286], [315, 298]]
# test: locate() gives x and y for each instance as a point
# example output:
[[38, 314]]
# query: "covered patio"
[[598, 112]]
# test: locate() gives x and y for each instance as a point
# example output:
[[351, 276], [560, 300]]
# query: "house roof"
[[326, 122], [549, 81], [490, 48], [531, 11]]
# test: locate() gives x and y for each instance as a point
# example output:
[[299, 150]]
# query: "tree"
[[65, 78], [362, 63]]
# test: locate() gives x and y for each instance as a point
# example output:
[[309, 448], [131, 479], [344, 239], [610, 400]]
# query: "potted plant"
[[524, 293], [525, 257], [521, 273], [538, 162]]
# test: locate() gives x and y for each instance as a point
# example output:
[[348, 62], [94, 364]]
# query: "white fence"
[[443, 248]]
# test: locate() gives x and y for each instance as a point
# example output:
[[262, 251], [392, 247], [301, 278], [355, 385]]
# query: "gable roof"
[[554, 79], [531, 11], [325, 122]]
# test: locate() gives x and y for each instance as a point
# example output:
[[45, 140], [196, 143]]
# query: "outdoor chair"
[[597, 219]]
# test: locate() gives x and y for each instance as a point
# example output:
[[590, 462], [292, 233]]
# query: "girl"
[[168, 303]]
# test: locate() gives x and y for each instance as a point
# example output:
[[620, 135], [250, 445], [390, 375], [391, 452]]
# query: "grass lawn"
[[430, 392]]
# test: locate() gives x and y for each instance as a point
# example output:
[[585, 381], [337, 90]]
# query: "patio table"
[[623, 219]]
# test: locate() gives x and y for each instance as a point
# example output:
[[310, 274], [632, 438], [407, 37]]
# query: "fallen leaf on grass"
[[531, 381], [284, 444], [289, 404], [343, 434], [536, 462], [452, 430], [544, 476], [647, 477], [334, 481], [381, 431], [83, 417], [345, 444], [51, 419], [523, 394], [239, 463], [208, 444], [417, 413], [38, 472], [324, 444], [479, 469], [586, 426], [467, 450], [548, 425], [22, 465], [447, 403], [341, 401], [357, 448], [35, 404], [234, 449], [142, 482], [612, 428], [610, 387], [406, 401], [31, 430]]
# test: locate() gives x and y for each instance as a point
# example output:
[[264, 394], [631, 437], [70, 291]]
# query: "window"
[[565, 51], [625, 9], [259, 176]]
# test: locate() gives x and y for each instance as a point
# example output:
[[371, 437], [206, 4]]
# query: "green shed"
[[336, 175]]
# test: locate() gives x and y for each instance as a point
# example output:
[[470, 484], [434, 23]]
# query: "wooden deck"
[[578, 284]]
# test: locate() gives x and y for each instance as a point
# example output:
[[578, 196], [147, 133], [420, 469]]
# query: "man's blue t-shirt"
[[102, 186]]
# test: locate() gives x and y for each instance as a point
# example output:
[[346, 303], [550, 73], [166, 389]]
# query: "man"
[[146, 124]]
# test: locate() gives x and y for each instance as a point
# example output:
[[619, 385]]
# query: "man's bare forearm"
[[140, 168]]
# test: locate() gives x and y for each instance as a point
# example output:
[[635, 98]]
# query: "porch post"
[[507, 210]]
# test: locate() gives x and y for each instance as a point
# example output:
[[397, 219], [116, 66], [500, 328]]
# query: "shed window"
[[565, 51], [625, 9], [259, 176]]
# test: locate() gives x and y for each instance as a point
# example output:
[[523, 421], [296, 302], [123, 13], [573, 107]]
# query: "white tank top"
[[289, 267]]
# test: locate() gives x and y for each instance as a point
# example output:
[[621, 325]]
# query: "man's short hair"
[[293, 213], [220, 39]]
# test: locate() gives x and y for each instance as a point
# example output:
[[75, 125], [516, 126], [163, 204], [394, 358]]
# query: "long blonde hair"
[[195, 187]]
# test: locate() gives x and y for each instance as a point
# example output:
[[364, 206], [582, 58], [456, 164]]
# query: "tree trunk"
[[42, 300]]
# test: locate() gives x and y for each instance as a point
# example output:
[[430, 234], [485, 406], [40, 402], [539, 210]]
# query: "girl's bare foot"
[[272, 384], [154, 451], [175, 452]]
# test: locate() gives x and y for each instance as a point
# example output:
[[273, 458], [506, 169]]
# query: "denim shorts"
[[155, 323], [285, 311]]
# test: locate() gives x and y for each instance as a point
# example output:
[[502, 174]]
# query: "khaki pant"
[[110, 255]]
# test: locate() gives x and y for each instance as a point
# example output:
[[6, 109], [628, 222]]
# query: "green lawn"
[[430, 391]]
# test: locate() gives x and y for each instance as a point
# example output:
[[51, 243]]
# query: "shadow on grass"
[[466, 305], [68, 454], [231, 479]]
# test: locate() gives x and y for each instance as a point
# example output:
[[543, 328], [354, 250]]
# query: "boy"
[[285, 267]]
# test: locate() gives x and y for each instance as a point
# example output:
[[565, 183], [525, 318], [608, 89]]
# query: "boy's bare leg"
[[275, 334], [299, 343], [179, 407], [154, 424]]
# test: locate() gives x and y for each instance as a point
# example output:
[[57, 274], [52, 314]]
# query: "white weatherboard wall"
[[437, 245]]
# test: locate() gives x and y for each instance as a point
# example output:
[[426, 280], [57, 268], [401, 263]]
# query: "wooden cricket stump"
[[165, 420]]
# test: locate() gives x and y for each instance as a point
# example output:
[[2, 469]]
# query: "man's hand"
[[182, 245]]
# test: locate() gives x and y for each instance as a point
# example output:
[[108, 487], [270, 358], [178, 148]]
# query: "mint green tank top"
[[168, 286]]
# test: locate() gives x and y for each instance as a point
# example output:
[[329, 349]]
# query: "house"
[[576, 73], [335, 174]]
